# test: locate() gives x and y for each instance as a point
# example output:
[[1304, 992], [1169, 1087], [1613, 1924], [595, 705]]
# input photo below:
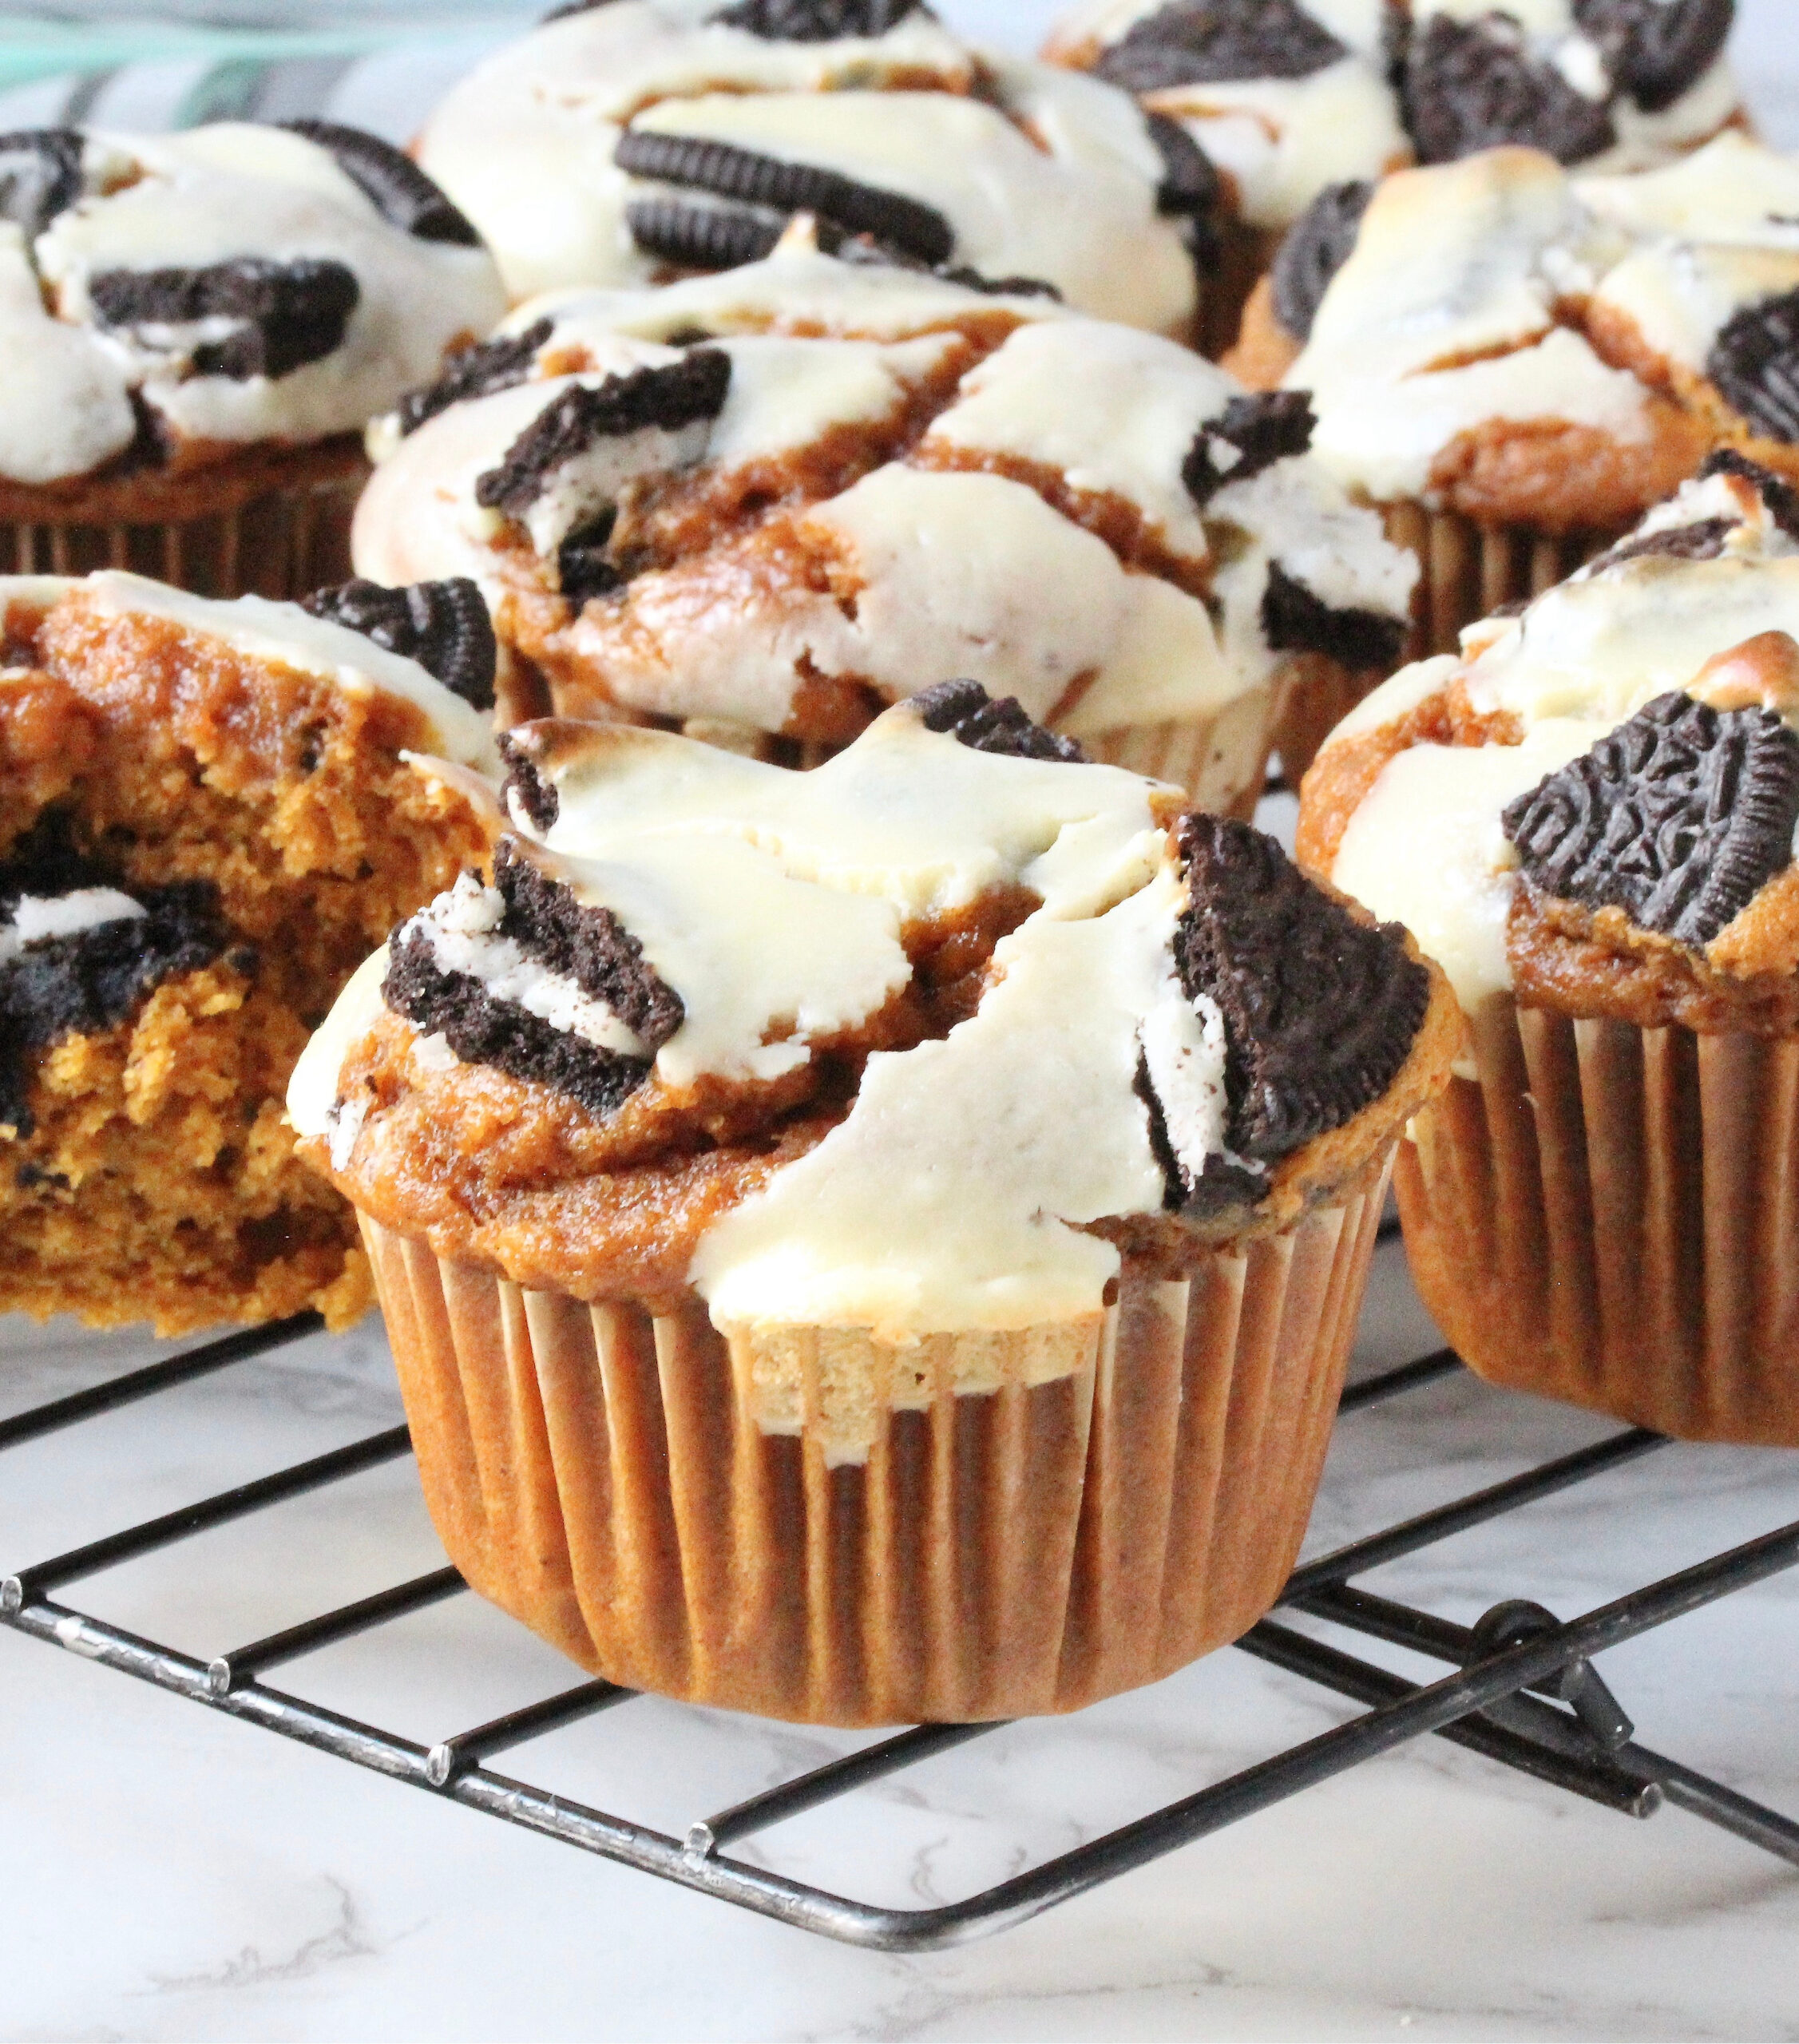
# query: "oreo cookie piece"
[[1472, 85], [92, 979], [1320, 1011], [959, 273], [1257, 431], [786, 189], [40, 175], [1657, 50], [1189, 188], [402, 194], [589, 947], [444, 626], [1294, 620], [694, 237], [814, 21], [1704, 540], [583, 570], [1315, 247], [964, 711], [1680, 817], [681, 393], [285, 315], [537, 797], [1754, 361], [1212, 42], [1781, 497], [501, 364]]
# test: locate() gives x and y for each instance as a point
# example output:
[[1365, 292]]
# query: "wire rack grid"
[[1520, 1690]]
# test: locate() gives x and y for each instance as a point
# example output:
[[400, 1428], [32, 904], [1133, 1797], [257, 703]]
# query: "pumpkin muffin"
[[206, 817], [879, 1244], [641, 140], [1588, 818], [196, 329], [1516, 363], [760, 507]]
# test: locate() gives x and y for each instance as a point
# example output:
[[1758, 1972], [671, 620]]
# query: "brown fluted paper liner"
[[1610, 1217], [1468, 571], [600, 1472], [283, 544], [1222, 760], [1321, 692]]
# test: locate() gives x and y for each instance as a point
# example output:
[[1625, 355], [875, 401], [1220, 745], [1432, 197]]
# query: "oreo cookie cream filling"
[[621, 144], [164, 298], [982, 1007]]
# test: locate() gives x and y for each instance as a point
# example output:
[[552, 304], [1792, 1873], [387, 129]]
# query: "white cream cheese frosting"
[[139, 208], [1038, 174], [963, 551], [1424, 847], [1464, 298]]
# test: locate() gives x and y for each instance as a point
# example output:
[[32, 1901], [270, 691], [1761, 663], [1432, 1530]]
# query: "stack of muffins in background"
[[870, 1161]]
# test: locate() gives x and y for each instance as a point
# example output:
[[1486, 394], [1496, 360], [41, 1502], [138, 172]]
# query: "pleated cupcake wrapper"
[[1320, 695], [1468, 571], [600, 1472], [1221, 760], [282, 545], [1610, 1217]]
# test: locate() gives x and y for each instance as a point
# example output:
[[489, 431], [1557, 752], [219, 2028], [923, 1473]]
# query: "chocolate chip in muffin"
[[40, 175], [731, 172], [403, 196], [1780, 497], [92, 979], [816, 21], [1210, 42], [964, 711], [501, 364], [535, 797], [1317, 246], [1754, 363], [1471, 85], [589, 947], [706, 237], [1320, 1012], [1680, 817], [1250, 434], [1296, 621], [284, 315], [444, 626], [677, 394], [1657, 50]]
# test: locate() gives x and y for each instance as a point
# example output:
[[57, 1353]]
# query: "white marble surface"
[[165, 1873]]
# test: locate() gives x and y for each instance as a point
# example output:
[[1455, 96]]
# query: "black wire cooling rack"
[[1523, 1690]]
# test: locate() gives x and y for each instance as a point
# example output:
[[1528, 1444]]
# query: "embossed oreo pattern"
[[1321, 1011], [1754, 363], [967, 713], [1472, 85], [1217, 41], [1680, 817], [444, 626]]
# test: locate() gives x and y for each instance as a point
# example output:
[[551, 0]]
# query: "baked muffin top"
[[1287, 96], [917, 1043], [1510, 340], [166, 300], [1595, 805], [624, 143], [780, 496]]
